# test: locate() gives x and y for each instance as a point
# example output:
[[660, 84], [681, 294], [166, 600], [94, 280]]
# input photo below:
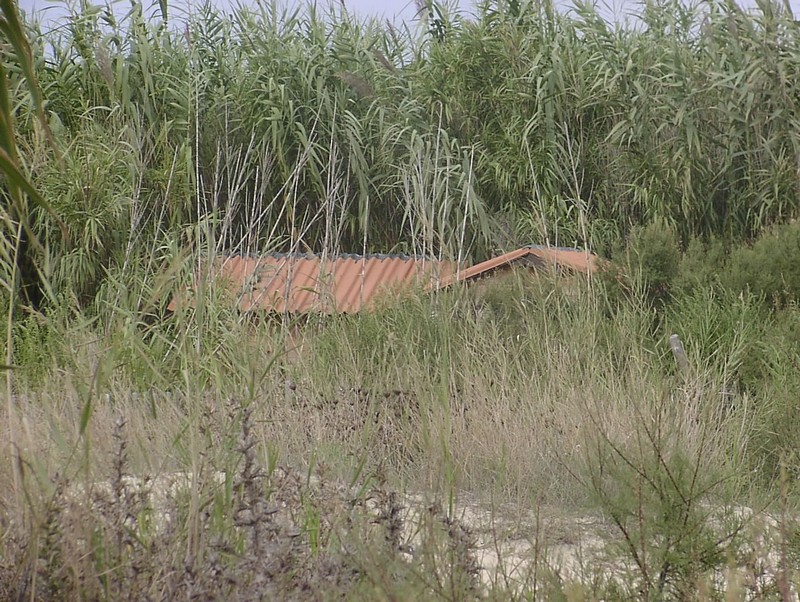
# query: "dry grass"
[[432, 451], [237, 526], [527, 440]]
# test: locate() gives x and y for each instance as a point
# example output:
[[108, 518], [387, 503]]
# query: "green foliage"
[[723, 332], [93, 190], [275, 129], [412, 330], [653, 264], [654, 257], [37, 348], [653, 490], [774, 448], [701, 265], [436, 391], [287, 129], [769, 268]]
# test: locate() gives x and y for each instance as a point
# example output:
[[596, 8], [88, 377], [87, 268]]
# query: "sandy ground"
[[516, 549]]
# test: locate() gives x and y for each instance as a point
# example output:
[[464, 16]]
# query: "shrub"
[[38, 347], [700, 265], [654, 482], [723, 332], [774, 440], [653, 258], [769, 267]]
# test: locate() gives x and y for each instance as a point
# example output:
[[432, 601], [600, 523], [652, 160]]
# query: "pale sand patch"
[[512, 549]]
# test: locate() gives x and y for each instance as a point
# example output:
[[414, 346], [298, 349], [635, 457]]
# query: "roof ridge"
[[555, 248], [339, 256]]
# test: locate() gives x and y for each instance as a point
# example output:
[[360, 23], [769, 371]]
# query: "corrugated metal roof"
[[534, 255], [304, 283], [299, 283]]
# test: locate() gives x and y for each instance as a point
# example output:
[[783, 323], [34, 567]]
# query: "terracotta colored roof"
[[298, 283], [533, 255]]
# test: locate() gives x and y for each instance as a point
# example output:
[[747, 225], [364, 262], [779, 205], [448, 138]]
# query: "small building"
[[298, 283], [536, 257]]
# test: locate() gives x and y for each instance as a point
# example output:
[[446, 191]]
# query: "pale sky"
[[396, 10], [388, 9]]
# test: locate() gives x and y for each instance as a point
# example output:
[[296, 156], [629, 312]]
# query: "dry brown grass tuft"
[[561, 446], [238, 528]]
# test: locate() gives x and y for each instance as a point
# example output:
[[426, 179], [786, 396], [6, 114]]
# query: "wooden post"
[[680, 354]]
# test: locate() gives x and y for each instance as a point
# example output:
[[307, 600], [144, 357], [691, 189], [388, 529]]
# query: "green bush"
[[646, 267], [651, 484], [37, 347], [770, 267], [724, 333], [774, 442], [700, 265], [419, 328]]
